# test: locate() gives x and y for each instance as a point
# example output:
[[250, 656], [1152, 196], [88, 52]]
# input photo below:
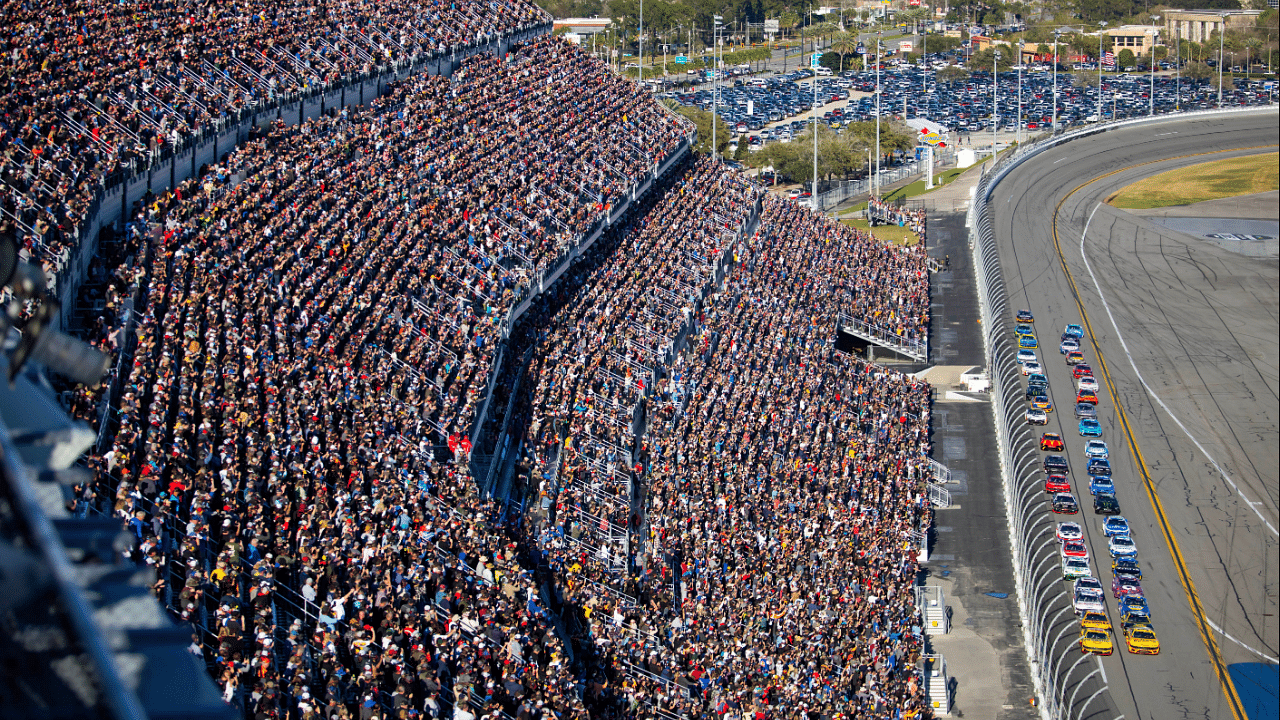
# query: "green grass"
[[884, 233], [1207, 181], [913, 189]]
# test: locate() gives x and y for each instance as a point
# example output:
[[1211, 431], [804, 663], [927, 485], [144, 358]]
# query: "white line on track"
[[1224, 634], [1088, 266]]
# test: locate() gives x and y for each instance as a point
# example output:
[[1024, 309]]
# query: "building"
[[583, 26], [1137, 39], [1200, 25]]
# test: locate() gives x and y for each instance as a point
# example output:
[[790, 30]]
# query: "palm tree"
[[843, 44]]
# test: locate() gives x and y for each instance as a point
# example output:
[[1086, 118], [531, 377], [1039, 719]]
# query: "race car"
[[1142, 640], [1023, 329], [1069, 531], [1089, 427], [1035, 388], [1127, 568], [1026, 356], [1074, 330], [1100, 467], [1026, 316], [1105, 504], [1136, 615], [1095, 621], [1057, 483], [1028, 341], [1124, 588], [1040, 402], [1064, 503], [1055, 464], [1122, 545], [1092, 584], [1088, 382], [1080, 370], [1031, 368], [1087, 396], [1037, 417], [1074, 568], [1075, 357], [1115, 525], [1097, 642], [1101, 486], [1051, 441], [1068, 344], [1084, 601], [1096, 449], [1075, 548]]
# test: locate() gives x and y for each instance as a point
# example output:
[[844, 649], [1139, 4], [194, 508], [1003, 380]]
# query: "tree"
[[844, 44], [789, 19], [702, 120], [1085, 80], [1197, 71], [940, 43], [1126, 58], [951, 73], [1043, 49]]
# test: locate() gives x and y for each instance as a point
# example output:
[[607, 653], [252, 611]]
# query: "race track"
[[1187, 332]]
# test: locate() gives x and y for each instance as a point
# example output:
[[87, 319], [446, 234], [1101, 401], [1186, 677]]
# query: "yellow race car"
[[1142, 640], [1095, 641], [1096, 621]]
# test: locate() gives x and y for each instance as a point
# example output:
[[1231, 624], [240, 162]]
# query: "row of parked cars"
[[1088, 591]]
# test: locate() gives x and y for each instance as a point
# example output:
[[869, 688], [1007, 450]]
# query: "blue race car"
[[1115, 525], [1089, 427], [1101, 486], [1074, 330], [1134, 605], [1096, 449], [1028, 341]]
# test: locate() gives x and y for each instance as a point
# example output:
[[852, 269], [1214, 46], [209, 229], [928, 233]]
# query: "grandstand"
[[448, 381]]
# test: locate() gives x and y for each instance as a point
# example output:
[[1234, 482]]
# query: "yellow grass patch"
[[1206, 181]]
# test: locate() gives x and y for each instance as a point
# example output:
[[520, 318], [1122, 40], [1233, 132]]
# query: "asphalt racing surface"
[[1183, 337]]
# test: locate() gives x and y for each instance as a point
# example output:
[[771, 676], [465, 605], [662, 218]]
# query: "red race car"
[[1075, 548], [1081, 370], [1057, 483], [1087, 396], [1052, 442]]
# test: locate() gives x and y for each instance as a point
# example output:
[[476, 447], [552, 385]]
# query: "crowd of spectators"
[[316, 324], [90, 88]]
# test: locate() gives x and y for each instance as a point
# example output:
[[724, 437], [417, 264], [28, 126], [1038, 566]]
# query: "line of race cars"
[[1126, 572]]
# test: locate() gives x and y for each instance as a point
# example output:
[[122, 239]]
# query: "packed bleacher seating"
[[98, 89], [316, 326]]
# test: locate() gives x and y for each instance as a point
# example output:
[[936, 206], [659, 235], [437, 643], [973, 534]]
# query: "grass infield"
[[1206, 181]]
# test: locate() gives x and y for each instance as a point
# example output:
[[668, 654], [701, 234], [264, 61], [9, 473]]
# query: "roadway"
[[1183, 339]]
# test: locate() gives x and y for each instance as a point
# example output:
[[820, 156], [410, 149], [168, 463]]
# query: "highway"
[[1183, 337]]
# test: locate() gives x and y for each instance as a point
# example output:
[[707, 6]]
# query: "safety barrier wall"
[[1066, 687]]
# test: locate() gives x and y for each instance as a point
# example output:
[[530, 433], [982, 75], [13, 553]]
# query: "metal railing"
[[886, 337]]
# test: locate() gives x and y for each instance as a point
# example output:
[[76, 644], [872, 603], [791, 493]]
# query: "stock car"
[[1127, 567], [1051, 441], [1083, 601], [1096, 449], [1105, 504], [1075, 357], [1088, 382], [1096, 621], [1068, 344], [1056, 464], [1026, 356], [1080, 370], [1142, 640], [1115, 525], [1038, 378], [1097, 642], [1075, 548], [1041, 402], [1101, 486], [1037, 417], [1074, 330], [1121, 546], [1089, 427], [1057, 483], [1087, 396], [1028, 341], [1135, 615], [1069, 531], [1074, 568], [1124, 587], [1026, 316], [1021, 330], [1064, 503], [1100, 467], [1034, 389], [1031, 368], [1092, 584]]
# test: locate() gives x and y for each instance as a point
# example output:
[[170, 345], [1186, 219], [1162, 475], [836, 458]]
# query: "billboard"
[[771, 26]]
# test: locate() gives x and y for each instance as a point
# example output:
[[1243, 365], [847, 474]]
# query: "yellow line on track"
[[1188, 585]]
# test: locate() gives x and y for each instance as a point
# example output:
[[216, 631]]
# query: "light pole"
[[877, 55], [995, 100], [1101, 51], [1177, 66], [1017, 131], [814, 200], [1151, 100], [1222, 33], [1056, 33], [715, 85], [640, 72]]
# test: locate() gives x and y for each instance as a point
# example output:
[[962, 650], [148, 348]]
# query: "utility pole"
[[1056, 32], [995, 100], [1101, 54], [1222, 32], [715, 85], [814, 203], [1151, 98], [878, 93]]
